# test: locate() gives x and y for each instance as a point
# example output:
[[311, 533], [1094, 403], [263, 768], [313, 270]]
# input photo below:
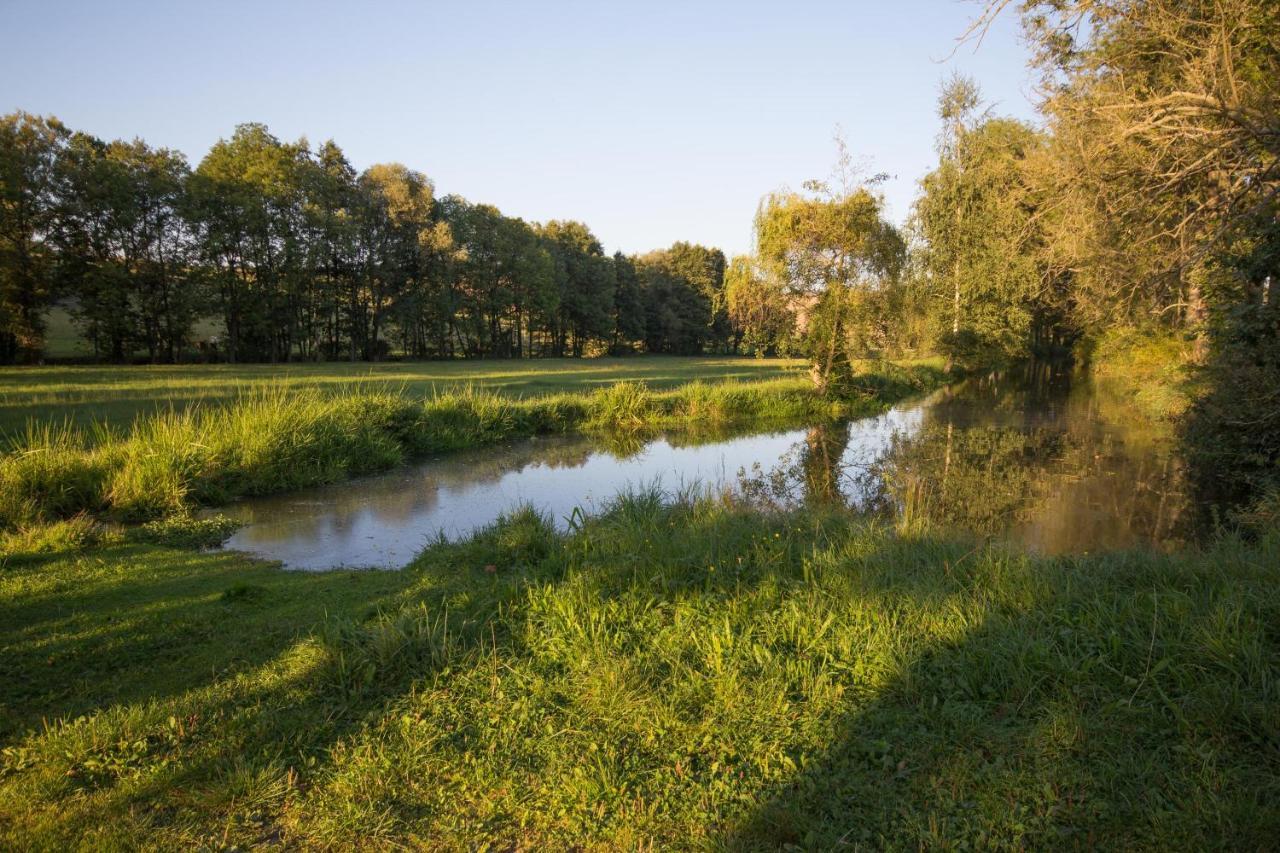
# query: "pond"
[[1038, 457]]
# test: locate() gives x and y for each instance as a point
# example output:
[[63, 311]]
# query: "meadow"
[[697, 675], [705, 672], [287, 435], [117, 395]]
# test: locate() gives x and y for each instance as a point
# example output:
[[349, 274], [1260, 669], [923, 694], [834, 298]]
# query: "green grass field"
[[670, 677], [287, 432], [117, 395], [705, 674]]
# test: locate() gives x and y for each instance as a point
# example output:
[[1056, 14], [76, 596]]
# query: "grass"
[[118, 395], [696, 675], [285, 438], [1152, 369]]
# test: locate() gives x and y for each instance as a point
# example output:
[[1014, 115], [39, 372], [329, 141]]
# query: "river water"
[[1040, 458]]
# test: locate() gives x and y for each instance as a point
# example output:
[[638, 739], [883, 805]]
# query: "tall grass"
[[696, 674], [276, 439]]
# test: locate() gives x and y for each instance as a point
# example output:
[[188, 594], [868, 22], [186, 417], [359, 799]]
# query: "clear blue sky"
[[650, 121]]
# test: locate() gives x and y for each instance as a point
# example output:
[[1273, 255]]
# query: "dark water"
[[1032, 456]]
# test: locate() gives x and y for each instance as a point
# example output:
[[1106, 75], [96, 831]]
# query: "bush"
[[1232, 432]]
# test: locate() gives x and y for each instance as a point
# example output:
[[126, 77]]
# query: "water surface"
[[1033, 456]]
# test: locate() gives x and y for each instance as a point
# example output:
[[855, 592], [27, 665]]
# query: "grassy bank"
[[118, 395], [1152, 369], [284, 439], [698, 675], [1224, 407]]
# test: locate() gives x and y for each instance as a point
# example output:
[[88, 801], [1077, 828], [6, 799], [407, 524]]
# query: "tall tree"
[[830, 249], [30, 147], [247, 200], [397, 205], [585, 279], [628, 304], [126, 248], [977, 214]]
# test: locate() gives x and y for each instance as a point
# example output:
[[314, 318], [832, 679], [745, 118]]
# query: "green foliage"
[[30, 149], [1232, 431], [762, 317], [835, 256], [295, 256], [185, 531], [683, 294], [978, 217], [1151, 367], [126, 247]]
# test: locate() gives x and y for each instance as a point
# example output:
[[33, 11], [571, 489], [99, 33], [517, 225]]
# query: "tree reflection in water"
[[1038, 456]]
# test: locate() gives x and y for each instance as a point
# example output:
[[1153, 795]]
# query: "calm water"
[[1027, 456]]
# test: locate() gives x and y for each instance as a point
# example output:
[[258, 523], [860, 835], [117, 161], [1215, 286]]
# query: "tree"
[[829, 250], [702, 269], [331, 217], [396, 205], [585, 279], [761, 317], [30, 148], [247, 200], [977, 215], [628, 304], [1165, 116], [125, 246], [683, 295]]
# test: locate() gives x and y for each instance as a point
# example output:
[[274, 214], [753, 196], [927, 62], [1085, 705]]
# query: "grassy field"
[[289, 436], [117, 395], [702, 674], [692, 676]]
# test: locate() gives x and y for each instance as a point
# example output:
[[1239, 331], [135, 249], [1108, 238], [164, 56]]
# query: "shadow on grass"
[[915, 691], [1125, 701]]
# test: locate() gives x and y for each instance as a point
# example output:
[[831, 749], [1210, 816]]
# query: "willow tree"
[[832, 252]]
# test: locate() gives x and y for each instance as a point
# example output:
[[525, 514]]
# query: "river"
[[1038, 457]]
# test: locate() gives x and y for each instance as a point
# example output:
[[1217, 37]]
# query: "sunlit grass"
[[280, 437], [119, 394], [692, 675], [1153, 370]]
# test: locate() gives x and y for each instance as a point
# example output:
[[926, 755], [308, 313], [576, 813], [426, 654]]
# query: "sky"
[[650, 121]]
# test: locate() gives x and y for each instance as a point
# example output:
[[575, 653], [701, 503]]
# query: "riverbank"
[[1153, 370], [1223, 406], [282, 439], [693, 675]]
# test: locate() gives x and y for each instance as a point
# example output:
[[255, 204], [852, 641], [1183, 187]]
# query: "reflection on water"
[[1029, 456], [1036, 458]]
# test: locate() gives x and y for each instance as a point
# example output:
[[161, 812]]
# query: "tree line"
[[1147, 195], [299, 256], [1147, 198]]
